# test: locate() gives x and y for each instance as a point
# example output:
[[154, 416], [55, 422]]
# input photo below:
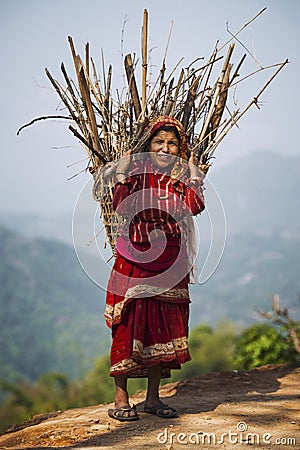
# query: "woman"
[[147, 304]]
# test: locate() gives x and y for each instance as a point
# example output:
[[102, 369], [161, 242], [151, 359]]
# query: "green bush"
[[262, 344]]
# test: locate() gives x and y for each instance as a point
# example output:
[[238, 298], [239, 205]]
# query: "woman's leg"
[[121, 396], [152, 398], [154, 377]]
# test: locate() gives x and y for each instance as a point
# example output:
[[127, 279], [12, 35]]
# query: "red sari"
[[147, 302]]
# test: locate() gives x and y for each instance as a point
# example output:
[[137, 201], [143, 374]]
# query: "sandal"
[[119, 413], [159, 409]]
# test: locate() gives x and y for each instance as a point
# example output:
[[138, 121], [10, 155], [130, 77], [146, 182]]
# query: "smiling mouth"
[[163, 156]]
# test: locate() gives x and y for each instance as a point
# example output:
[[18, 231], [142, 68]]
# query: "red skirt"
[[149, 329]]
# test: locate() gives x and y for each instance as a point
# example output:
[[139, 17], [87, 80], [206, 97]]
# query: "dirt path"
[[227, 410]]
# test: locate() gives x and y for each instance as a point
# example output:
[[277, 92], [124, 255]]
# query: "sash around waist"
[[156, 258]]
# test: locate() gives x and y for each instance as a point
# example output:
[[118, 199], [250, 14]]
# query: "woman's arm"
[[193, 195], [122, 191], [124, 185]]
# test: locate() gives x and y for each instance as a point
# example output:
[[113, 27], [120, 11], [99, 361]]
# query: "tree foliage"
[[262, 344], [211, 350]]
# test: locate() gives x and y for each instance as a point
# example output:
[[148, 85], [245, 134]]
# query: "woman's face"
[[163, 147]]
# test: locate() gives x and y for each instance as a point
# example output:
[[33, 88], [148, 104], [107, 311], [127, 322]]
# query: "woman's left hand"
[[194, 170]]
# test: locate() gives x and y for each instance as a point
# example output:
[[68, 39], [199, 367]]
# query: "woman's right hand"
[[123, 166]]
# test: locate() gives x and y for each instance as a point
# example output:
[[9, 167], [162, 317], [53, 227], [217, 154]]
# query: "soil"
[[228, 410]]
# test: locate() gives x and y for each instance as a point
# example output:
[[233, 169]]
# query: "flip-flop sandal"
[[119, 414], [158, 410]]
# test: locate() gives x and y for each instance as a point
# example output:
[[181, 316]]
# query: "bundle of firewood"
[[108, 123]]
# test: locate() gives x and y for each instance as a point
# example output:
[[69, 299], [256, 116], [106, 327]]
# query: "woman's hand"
[[123, 165], [194, 170]]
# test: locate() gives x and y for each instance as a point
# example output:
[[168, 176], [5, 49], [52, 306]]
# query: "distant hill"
[[51, 314], [253, 268], [260, 193]]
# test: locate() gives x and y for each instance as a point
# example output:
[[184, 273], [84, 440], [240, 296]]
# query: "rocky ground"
[[229, 410]]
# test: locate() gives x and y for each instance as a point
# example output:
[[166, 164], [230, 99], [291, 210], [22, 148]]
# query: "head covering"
[[156, 123], [161, 121]]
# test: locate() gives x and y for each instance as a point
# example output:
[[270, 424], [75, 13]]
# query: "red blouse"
[[151, 201]]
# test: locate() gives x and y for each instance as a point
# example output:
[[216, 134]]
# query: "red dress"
[[147, 302]]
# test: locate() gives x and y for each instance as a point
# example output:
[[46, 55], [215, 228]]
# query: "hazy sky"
[[34, 35]]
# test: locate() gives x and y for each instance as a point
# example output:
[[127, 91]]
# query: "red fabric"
[[152, 323], [126, 276], [156, 261], [158, 203], [146, 331]]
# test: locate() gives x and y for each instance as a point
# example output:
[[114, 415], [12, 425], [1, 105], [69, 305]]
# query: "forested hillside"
[[253, 268], [50, 312]]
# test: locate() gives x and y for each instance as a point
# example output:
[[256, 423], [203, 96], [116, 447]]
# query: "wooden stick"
[[217, 91], [242, 28], [208, 66], [97, 93], [76, 59], [86, 143], [90, 112], [260, 69], [103, 110], [170, 100], [71, 43], [177, 91], [103, 70], [163, 66], [144, 63], [66, 77], [41, 118], [107, 93], [81, 119], [220, 106], [161, 85], [236, 72], [61, 94], [189, 103], [87, 58], [132, 86]]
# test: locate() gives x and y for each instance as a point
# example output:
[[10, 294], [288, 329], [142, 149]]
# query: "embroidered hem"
[[113, 314], [173, 354]]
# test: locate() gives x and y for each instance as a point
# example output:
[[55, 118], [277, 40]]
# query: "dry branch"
[[281, 317], [132, 86], [38, 119], [144, 62]]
